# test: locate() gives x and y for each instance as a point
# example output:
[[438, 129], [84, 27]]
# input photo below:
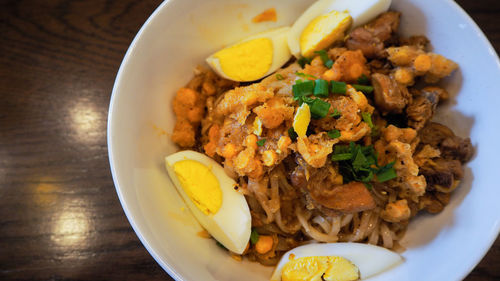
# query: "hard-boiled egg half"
[[326, 22], [254, 57], [334, 261], [210, 195]]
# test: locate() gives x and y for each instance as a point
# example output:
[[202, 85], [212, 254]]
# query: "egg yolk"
[[301, 120], [320, 268], [247, 61], [323, 31], [200, 184]]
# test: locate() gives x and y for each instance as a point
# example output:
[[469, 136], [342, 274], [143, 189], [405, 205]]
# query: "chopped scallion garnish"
[[336, 114], [292, 134], [323, 55], [367, 117], [305, 75], [363, 80], [341, 157], [386, 173], [261, 142], [321, 88], [359, 163], [220, 245], [279, 76], [333, 134], [329, 64], [319, 108], [362, 88], [338, 87], [254, 236], [302, 89], [303, 61]]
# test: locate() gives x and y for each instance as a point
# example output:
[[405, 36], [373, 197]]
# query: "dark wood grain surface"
[[60, 216]]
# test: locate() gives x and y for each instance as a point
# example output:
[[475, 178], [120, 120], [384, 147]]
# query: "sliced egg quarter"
[[210, 196], [254, 57], [335, 261], [329, 27]]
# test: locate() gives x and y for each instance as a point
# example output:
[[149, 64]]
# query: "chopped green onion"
[[367, 117], [339, 87], [363, 80], [386, 173], [254, 236], [302, 89], [338, 149], [292, 134], [305, 75], [303, 61], [321, 88], [333, 134], [341, 157], [362, 88], [359, 163], [323, 55], [261, 142], [279, 76], [359, 160], [319, 108], [336, 114], [220, 245], [329, 64], [305, 99]]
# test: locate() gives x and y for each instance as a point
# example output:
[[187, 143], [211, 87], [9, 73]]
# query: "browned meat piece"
[[298, 177], [419, 41], [434, 133], [422, 108], [451, 146], [444, 198], [442, 172], [434, 202], [430, 203], [378, 66], [457, 148], [370, 39], [390, 96], [442, 93], [348, 198]]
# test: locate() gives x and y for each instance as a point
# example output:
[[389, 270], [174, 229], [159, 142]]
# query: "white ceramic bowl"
[[181, 33]]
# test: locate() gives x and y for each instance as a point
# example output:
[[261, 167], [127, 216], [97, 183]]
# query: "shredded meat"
[[442, 172], [451, 146], [390, 96], [419, 41], [457, 148], [442, 93], [371, 39], [422, 108]]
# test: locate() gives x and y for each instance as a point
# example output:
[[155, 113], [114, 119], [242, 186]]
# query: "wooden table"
[[60, 215]]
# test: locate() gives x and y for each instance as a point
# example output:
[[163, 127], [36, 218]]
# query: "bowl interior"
[[182, 33]]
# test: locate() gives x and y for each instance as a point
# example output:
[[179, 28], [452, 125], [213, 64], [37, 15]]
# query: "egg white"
[[281, 53], [369, 259], [231, 225], [361, 11]]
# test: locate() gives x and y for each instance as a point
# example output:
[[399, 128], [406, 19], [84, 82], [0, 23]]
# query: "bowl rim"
[[114, 93], [465, 271]]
